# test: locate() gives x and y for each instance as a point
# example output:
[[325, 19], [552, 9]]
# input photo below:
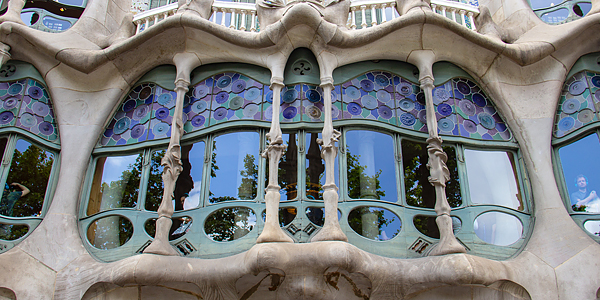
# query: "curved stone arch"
[[575, 139], [502, 289], [29, 129]]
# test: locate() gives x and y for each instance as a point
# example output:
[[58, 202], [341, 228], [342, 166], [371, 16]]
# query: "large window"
[[386, 202]]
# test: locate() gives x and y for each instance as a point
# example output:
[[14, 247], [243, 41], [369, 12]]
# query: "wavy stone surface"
[[520, 61]]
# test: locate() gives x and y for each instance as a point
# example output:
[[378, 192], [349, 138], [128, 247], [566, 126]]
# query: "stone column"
[[331, 230], [272, 232], [171, 162], [4, 54], [438, 171]]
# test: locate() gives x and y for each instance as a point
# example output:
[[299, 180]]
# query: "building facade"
[[299, 150]]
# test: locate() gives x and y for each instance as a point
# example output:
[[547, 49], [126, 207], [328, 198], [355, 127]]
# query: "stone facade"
[[519, 61]]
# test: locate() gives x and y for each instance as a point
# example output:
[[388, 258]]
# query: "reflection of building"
[[118, 124]]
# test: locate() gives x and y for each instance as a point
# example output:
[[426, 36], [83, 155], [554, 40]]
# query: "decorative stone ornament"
[[272, 232], [331, 230]]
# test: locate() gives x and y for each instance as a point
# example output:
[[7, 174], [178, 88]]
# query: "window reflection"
[[492, 177], [592, 227], [374, 223], [228, 224], [155, 183], [184, 225], [234, 167], [498, 228], [116, 183], [315, 168], [25, 187], [109, 232], [419, 192], [370, 162], [288, 168], [580, 170], [427, 225], [11, 232]]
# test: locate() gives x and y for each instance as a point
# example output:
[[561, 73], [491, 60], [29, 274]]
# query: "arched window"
[[29, 149], [577, 145], [381, 172]]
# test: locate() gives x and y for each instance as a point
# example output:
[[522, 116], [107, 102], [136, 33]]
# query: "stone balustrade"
[[242, 16]]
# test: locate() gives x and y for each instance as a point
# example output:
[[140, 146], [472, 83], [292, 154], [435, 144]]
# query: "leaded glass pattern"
[[370, 96], [410, 102], [163, 109], [579, 103], [476, 116], [235, 97], [197, 109], [26, 104], [130, 123]]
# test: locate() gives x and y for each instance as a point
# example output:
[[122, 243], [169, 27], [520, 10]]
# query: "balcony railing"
[[363, 14]]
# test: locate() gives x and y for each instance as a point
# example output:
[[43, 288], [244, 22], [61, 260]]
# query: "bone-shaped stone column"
[[171, 162], [331, 230], [438, 171], [272, 231]]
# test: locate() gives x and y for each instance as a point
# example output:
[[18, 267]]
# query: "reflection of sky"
[[498, 228], [196, 157], [390, 230], [376, 152], [231, 150], [581, 157], [593, 227], [115, 165], [491, 178], [535, 4]]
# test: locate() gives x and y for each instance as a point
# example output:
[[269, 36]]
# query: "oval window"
[[11, 232], [556, 16], [317, 215], [179, 227], [286, 215], [427, 225], [498, 228], [228, 224], [109, 232], [56, 24], [592, 227], [374, 223]]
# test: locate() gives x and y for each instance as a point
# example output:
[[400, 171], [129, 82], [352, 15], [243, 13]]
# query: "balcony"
[[362, 14]]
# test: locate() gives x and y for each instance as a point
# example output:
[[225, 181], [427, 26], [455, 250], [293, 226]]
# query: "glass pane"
[[116, 183], [492, 178], [580, 163], [109, 232], [419, 192], [184, 225], [555, 16], [374, 223], [234, 168], [286, 215], [427, 226], [581, 9], [288, 168], [315, 168], [187, 189], [30, 17], [12, 232], [27, 181], [592, 227], [228, 224], [56, 24], [370, 161], [498, 228], [317, 215], [155, 183]]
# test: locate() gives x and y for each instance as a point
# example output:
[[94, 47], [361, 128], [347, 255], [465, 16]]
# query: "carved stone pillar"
[[331, 230], [172, 166], [272, 232], [4, 54], [438, 176]]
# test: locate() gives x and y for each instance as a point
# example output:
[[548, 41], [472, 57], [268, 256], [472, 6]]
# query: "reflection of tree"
[[369, 222], [288, 168], [315, 170], [419, 192], [228, 224], [360, 185], [155, 183], [248, 187], [123, 192], [30, 168]]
